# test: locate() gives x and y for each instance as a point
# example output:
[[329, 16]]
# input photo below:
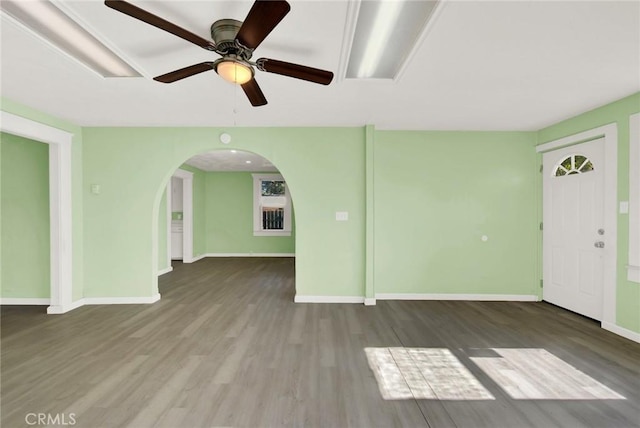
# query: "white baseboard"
[[621, 331], [474, 297], [121, 300], [25, 301], [328, 299], [197, 258], [61, 309], [163, 271], [409, 296], [250, 255], [192, 260]]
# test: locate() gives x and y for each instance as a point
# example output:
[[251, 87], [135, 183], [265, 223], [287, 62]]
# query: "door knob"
[[599, 244]]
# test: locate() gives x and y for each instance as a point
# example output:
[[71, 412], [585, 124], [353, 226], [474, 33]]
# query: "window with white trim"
[[271, 206], [574, 164]]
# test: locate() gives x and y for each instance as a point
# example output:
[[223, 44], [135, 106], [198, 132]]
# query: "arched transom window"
[[574, 164]]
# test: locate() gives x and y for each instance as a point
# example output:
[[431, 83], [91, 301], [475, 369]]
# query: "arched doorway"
[[236, 203]]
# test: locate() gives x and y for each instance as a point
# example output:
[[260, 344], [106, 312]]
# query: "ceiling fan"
[[235, 41]]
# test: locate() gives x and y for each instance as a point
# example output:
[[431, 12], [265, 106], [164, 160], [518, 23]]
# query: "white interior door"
[[574, 238]]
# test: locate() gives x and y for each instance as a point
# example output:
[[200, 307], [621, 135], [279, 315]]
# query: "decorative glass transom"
[[574, 164]]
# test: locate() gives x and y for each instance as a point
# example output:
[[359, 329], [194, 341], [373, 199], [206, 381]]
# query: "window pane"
[[273, 218], [587, 167], [272, 188], [580, 160], [574, 164]]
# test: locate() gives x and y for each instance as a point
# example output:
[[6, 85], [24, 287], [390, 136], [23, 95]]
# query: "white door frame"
[[610, 134], [168, 211], [187, 216], [60, 211], [633, 268]]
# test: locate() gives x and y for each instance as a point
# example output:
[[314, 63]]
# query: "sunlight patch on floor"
[[437, 374], [423, 373], [536, 374]]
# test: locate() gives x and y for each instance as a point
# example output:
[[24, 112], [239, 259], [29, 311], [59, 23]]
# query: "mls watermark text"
[[61, 419]]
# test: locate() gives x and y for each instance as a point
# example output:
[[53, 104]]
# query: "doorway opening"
[[60, 207], [574, 235], [180, 217], [564, 163], [227, 203]]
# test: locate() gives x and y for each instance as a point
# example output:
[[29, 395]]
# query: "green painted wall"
[[25, 253], [78, 188], [436, 194], [229, 226], [628, 293], [324, 169]]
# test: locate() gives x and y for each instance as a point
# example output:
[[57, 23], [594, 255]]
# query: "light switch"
[[342, 215], [95, 189], [624, 207]]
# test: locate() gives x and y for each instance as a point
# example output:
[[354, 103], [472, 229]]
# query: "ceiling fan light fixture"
[[235, 41], [234, 71]]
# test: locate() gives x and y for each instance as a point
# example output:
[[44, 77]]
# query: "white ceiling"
[[517, 65], [231, 160]]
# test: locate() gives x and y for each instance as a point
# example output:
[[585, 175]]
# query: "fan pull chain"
[[235, 105]]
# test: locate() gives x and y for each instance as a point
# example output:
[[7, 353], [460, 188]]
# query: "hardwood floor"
[[227, 347]]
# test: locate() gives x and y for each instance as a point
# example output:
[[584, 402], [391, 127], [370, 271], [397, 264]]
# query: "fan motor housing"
[[223, 33]]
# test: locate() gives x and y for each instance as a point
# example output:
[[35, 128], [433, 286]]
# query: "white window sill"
[[271, 233]]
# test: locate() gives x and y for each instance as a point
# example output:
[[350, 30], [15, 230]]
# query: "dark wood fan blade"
[[261, 19], [254, 93], [184, 72], [294, 70], [156, 21]]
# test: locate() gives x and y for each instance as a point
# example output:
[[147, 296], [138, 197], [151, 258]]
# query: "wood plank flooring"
[[226, 346]]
